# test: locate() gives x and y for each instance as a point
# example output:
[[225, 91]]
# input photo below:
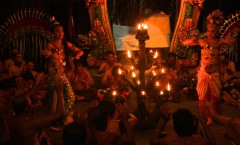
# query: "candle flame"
[[168, 87], [129, 54], [161, 92], [133, 74], [132, 67], [157, 83], [143, 92], [155, 55], [142, 26], [154, 74], [163, 70], [138, 82], [114, 93], [119, 71]]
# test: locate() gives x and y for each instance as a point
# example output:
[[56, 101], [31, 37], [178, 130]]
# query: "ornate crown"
[[216, 17]]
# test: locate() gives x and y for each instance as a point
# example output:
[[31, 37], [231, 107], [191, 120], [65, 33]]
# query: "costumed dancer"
[[209, 84], [55, 69]]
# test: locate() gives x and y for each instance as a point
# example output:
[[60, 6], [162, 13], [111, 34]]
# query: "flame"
[[155, 55], [168, 87], [133, 74], [154, 74], [142, 26], [161, 92], [138, 82], [132, 67], [163, 70], [129, 54], [114, 93], [157, 83], [119, 71], [143, 92]]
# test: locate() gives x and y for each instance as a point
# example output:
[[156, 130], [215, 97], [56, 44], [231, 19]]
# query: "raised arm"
[[77, 51], [42, 121]]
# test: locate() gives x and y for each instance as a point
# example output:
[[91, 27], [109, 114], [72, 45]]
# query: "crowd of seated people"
[[24, 98]]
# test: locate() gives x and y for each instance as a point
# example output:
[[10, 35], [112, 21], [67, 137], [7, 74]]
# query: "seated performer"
[[109, 64], [18, 67], [112, 78], [82, 82], [186, 127]]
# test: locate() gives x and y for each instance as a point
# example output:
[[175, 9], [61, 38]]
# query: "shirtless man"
[[18, 67], [185, 125], [112, 79], [22, 128], [81, 81], [109, 64]]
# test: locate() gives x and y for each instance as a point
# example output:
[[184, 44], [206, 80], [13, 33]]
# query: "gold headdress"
[[216, 17]]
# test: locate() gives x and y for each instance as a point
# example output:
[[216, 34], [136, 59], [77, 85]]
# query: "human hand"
[[79, 54]]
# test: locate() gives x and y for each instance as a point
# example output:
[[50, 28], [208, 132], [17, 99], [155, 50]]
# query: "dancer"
[[209, 84], [65, 49]]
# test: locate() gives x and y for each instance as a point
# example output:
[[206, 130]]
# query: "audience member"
[[115, 124], [30, 69], [18, 67], [185, 125], [22, 128], [109, 64], [98, 122], [11, 60], [82, 83], [227, 68], [114, 79]]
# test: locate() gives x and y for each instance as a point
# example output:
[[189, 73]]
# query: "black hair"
[[19, 104], [8, 83], [185, 123], [74, 134], [110, 52], [98, 118], [109, 106], [28, 76]]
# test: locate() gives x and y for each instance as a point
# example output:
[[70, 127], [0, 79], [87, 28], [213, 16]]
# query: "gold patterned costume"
[[208, 83]]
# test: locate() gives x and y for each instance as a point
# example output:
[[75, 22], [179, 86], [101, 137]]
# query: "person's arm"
[[89, 78], [155, 139], [41, 121], [191, 41], [101, 68], [128, 137], [77, 51]]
